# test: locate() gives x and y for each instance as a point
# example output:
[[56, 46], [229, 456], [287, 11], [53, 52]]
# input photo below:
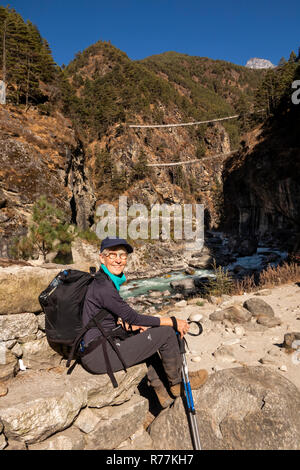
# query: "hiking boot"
[[197, 379], [163, 397]]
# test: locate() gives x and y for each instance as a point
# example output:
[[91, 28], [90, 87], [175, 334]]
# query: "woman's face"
[[115, 260]]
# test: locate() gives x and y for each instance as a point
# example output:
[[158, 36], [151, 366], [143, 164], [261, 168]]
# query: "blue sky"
[[234, 30]]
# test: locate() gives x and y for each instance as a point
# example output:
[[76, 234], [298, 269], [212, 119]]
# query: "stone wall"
[[43, 407]]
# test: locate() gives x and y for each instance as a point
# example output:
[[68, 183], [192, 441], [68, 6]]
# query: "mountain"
[[170, 87], [113, 91], [256, 63]]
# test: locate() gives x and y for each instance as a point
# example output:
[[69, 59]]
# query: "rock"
[[17, 326], [155, 294], [239, 330], [258, 307], [140, 440], [237, 314], [9, 367], [202, 262], [189, 270], [215, 300], [17, 350], [177, 296], [291, 340], [245, 246], [181, 303], [166, 293], [41, 318], [196, 359], [39, 355], [117, 423], [3, 390], [87, 421], [224, 354], [283, 368], [3, 442], [21, 286], [267, 321], [195, 317], [231, 342], [271, 357], [150, 310], [41, 403], [264, 292], [70, 439], [237, 409], [16, 445], [184, 286], [217, 315]]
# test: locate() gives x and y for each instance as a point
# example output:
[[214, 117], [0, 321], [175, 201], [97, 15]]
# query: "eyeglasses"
[[113, 256]]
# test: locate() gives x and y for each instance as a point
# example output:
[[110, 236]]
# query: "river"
[[135, 288]]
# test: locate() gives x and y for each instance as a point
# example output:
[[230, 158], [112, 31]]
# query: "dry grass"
[[274, 276], [270, 277]]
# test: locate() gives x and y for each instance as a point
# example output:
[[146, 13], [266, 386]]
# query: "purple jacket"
[[102, 293]]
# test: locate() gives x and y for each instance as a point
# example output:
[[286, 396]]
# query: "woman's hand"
[[128, 327], [182, 325]]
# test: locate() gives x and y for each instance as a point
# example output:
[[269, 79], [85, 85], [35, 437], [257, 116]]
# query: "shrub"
[[221, 283]]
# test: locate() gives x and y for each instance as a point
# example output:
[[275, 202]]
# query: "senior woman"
[[152, 339]]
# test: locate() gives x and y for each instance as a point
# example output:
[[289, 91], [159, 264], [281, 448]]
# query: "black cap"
[[109, 242]]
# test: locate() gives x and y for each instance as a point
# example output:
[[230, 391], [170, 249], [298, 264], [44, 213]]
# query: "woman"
[[153, 335]]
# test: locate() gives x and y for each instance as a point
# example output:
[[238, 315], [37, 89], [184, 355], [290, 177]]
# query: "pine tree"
[[141, 170], [49, 229], [281, 62], [293, 57], [25, 57]]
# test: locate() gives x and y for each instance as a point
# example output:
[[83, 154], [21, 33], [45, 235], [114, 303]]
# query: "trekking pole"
[[187, 387]]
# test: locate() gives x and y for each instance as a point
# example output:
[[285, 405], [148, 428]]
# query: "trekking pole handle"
[[181, 342]]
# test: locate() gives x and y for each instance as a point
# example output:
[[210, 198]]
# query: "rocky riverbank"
[[248, 339]]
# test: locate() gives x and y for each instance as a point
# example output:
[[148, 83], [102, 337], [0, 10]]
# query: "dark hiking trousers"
[[142, 347]]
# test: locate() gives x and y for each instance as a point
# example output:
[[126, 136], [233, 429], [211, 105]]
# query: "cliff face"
[[40, 155], [261, 188]]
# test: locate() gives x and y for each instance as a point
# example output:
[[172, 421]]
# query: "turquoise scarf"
[[117, 280]]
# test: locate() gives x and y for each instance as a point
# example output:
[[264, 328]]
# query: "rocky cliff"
[[40, 155], [261, 187]]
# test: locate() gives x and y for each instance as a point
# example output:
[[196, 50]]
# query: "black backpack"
[[62, 302]]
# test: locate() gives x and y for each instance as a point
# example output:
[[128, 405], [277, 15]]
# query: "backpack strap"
[[96, 320], [91, 324], [108, 337]]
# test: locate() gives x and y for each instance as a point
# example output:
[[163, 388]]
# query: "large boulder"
[[184, 286], [39, 355], [234, 313], [40, 404], [17, 326], [21, 286], [241, 408], [116, 423], [258, 307]]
